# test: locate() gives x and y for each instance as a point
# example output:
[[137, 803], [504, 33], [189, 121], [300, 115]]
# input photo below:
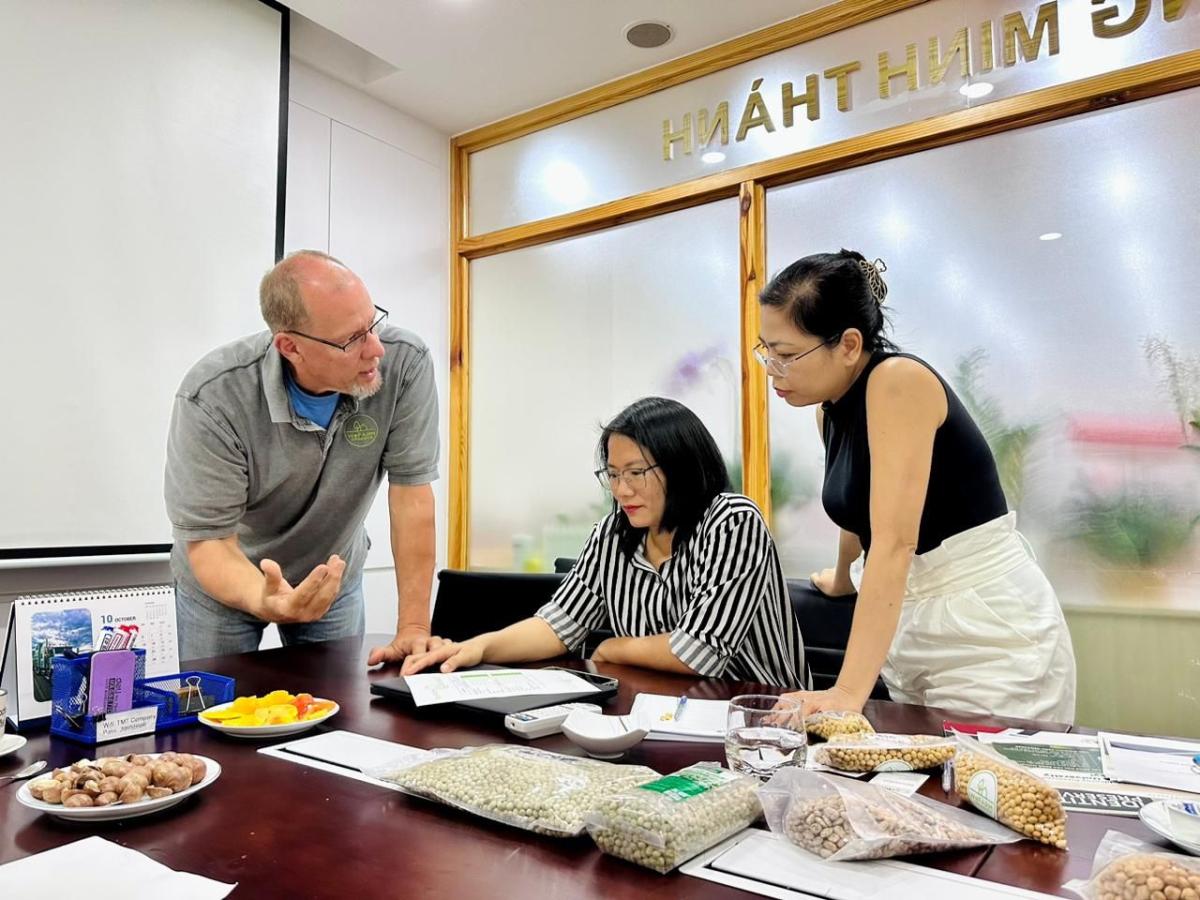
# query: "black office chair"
[[825, 626], [563, 565], [470, 603]]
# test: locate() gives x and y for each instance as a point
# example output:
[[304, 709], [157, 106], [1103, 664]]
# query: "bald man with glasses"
[[277, 446]]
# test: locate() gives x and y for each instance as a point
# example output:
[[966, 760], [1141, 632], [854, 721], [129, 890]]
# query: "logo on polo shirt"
[[361, 431]]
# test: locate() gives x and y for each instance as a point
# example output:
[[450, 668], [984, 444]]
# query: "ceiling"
[[458, 64]]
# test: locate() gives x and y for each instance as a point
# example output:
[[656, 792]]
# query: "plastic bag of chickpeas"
[[1009, 793], [839, 819], [1124, 867]]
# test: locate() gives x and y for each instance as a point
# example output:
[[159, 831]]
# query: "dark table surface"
[[286, 830]]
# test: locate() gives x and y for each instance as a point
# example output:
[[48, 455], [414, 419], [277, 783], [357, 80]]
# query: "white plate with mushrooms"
[[120, 787]]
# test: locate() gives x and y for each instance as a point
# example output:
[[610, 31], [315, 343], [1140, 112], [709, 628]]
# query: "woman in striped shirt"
[[683, 571]]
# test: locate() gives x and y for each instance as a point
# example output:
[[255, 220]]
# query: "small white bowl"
[[1185, 820], [604, 737]]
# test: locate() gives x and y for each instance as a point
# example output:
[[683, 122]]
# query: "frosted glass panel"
[[1085, 349], [563, 337], [617, 152]]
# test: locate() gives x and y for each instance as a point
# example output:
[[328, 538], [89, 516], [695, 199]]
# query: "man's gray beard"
[[362, 392]]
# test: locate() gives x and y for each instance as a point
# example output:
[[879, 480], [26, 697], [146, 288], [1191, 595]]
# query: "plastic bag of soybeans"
[[884, 752], [828, 723], [1009, 793], [1124, 868], [666, 822]]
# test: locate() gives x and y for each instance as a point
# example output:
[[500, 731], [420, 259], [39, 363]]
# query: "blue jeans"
[[208, 628]]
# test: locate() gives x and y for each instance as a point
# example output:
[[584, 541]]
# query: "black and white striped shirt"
[[721, 596]]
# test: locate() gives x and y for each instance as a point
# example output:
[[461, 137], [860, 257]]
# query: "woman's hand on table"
[[449, 654], [414, 640], [836, 699], [833, 582]]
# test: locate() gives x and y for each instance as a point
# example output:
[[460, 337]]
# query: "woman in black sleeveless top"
[[952, 609]]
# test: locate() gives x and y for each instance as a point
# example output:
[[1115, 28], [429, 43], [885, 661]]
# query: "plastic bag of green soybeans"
[[665, 822], [525, 787]]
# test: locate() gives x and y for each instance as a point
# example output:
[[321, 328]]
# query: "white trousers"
[[981, 630]]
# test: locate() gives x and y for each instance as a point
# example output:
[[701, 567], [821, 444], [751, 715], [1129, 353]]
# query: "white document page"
[[110, 871], [429, 688]]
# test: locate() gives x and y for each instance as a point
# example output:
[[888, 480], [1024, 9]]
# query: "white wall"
[[369, 185]]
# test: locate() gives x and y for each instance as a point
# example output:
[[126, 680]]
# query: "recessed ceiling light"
[[973, 90], [713, 156], [1050, 236], [648, 35]]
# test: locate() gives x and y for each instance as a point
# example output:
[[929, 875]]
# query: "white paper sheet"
[[703, 721], [766, 864], [345, 753], [903, 783], [429, 688], [40, 877]]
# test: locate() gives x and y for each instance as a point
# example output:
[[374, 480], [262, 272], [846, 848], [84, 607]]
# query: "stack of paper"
[[702, 721], [1162, 762], [1074, 764], [766, 864]]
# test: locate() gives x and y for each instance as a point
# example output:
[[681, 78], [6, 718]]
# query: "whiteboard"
[[139, 173]]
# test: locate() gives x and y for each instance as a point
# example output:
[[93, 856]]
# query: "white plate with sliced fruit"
[[273, 715], [88, 776]]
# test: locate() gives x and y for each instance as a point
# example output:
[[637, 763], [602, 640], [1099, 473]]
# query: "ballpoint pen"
[[679, 708]]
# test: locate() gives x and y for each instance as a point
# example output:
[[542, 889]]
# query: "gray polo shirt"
[[239, 461]]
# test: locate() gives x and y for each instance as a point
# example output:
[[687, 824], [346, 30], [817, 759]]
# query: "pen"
[[679, 708]]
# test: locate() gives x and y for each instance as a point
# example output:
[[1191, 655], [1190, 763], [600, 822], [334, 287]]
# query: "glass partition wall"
[[566, 335]]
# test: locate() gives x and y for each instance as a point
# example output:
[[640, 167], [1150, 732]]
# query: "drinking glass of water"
[[764, 732]]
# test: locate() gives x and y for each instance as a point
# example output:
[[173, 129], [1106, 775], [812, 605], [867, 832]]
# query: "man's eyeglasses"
[[635, 479], [779, 365], [354, 341]]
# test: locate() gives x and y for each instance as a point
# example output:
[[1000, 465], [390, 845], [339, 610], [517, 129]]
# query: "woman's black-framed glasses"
[[633, 478], [358, 338]]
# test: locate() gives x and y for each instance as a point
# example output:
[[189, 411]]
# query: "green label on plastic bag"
[[689, 783], [982, 792]]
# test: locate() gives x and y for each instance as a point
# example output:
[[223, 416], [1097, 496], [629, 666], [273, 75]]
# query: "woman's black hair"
[[687, 458], [826, 293]]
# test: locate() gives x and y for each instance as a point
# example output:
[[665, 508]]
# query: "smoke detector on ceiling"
[[648, 35]]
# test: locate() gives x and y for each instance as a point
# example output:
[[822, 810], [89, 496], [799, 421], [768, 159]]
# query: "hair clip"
[[874, 273]]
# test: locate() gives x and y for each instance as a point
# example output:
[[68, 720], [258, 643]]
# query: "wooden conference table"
[[286, 830]]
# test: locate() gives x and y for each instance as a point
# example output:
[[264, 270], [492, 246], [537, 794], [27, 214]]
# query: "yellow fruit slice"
[[221, 715]]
